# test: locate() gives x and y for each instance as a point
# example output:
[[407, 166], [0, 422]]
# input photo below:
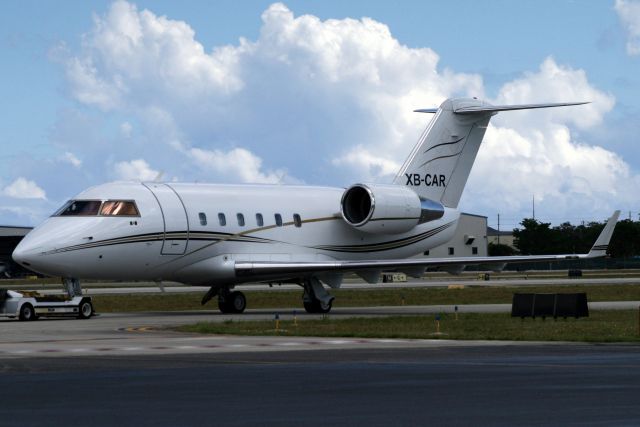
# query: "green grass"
[[601, 326], [359, 298]]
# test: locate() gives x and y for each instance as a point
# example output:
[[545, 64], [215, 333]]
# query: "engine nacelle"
[[386, 209]]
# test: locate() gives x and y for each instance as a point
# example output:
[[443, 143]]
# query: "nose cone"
[[24, 253]]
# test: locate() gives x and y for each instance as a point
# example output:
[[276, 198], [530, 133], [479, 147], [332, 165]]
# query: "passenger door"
[[174, 215]]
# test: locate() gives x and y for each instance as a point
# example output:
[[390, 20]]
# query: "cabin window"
[[259, 220], [222, 219], [119, 208], [450, 251], [278, 220], [240, 219], [80, 208], [297, 221], [203, 218]]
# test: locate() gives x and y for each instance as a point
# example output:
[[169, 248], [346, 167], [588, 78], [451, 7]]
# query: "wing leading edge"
[[262, 271]]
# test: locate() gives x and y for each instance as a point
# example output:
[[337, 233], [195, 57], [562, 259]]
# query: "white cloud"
[[130, 51], [325, 102], [629, 15], [71, 159], [239, 163], [125, 129], [368, 165], [556, 83], [135, 170], [23, 188]]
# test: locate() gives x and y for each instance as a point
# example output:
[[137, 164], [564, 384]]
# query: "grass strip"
[[601, 326], [360, 297]]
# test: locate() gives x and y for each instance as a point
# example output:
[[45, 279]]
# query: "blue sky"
[[75, 113]]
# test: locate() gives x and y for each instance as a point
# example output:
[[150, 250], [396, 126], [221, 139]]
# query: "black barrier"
[[3, 295], [549, 305], [574, 273]]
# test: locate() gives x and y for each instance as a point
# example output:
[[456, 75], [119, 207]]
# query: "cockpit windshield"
[[119, 208], [80, 208], [98, 208]]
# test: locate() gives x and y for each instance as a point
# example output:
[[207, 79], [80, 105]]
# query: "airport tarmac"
[[442, 384], [125, 369], [148, 288], [146, 333]]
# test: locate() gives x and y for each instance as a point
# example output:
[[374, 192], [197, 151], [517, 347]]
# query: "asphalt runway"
[[124, 369], [464, 384]]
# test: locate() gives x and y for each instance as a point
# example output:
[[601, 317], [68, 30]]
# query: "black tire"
[[315, 306], [27, 312], [224, 305], [232, 303], [85, 310], [237, 302], [309, 307]]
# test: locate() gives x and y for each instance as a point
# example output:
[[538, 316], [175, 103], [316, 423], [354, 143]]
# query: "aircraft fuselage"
[[193, 233]]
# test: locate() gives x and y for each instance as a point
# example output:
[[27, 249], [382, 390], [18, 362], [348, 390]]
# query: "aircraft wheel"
[[234, 302], [237, 301], [223, 305], [86, 310], [309, 307], [27, 312], [316, 306]]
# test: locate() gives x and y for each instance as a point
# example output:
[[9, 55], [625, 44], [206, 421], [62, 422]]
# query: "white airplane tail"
[[441, 161]]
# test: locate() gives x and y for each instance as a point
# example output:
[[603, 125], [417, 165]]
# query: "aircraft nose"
[[24, 254]]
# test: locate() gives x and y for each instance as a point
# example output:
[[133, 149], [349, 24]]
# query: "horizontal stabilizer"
[[496, 108], [488, 108]]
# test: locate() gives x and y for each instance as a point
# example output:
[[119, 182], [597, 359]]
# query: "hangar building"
[[470, 239], [10, 236]]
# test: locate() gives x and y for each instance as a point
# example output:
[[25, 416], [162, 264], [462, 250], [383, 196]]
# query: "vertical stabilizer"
[[441, 161]]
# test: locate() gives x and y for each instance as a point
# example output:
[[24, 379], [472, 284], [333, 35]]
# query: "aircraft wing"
[[370, 269]]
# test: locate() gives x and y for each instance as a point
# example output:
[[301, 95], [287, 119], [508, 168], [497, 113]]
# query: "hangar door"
[[174, 215]]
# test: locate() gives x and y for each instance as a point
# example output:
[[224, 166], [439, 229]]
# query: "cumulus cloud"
[[535, 153], [629, 15], [125, 129], [71, 158], [239, 163], [23, 188], [319, 101], [135, 170]]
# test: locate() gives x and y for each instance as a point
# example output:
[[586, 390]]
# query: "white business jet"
[[226, 235]]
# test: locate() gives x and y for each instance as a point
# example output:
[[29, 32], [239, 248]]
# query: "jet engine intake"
[[386, 209]]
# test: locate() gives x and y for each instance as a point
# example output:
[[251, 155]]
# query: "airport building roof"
[[14, 231], [493, 232]]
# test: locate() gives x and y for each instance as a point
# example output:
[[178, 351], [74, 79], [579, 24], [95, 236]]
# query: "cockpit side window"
[[119, 208], [80, 208]]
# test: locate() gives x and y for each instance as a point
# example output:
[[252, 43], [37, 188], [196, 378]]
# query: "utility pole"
[[533, 205], [498, 228]]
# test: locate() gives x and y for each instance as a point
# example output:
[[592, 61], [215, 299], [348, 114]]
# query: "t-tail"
[[441, 161]]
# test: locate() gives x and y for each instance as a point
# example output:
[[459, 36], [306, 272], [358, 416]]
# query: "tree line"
[[540, 238]]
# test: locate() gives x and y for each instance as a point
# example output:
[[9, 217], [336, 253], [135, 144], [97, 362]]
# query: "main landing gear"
[[316, 299], [229, 302]]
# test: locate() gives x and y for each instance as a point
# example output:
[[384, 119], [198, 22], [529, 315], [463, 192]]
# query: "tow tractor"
[[29, 305]]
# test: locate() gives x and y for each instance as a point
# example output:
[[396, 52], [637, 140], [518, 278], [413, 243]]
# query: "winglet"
[[601, 245]]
